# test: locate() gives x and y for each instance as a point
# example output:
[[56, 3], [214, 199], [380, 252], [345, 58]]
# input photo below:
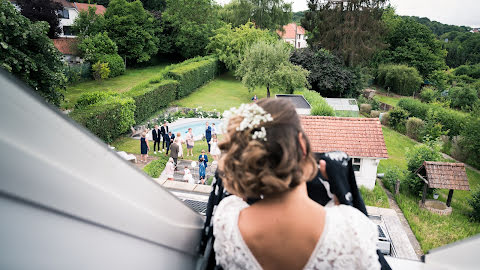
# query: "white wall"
[[303, 111], [73, 14], [302, 40], [368, 173]]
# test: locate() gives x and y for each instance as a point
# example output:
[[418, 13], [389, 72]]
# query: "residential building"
[[361, 138], [68, 47], [294, 34]]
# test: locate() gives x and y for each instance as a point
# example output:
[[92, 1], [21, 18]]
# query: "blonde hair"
[[179, 134], [144, 134], [251, 168]]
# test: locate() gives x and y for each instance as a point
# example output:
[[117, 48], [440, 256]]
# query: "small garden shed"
[[361, 138], [301, 104], [443, 175], [344, 107]]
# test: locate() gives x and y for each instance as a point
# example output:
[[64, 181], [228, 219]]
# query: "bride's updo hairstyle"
[[254, 167]]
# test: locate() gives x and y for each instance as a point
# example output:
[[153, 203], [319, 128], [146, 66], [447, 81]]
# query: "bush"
[[385, 118], [155, 168], [428, 94], [415, 158], [401, 79], [100, 71], [90, 98], [193, 75], [77, 73], [93, 47], [153, 98], [451, 120], [391, 176], [365, 108], [397, 119], [471, 140], [472, 71], [475, 204], [457, 150], [432, 129], [463, 97], [115, 64], [414, 127], [318, 103], [108, 119], [374, 114]]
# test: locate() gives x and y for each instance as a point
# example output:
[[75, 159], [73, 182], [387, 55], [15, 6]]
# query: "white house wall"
[[303, 42], [72, 14], [368, 173]]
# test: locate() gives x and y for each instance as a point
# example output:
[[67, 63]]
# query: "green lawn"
[[387, 99], [376, 197], [431, 230], [221, 94], [119, 84]]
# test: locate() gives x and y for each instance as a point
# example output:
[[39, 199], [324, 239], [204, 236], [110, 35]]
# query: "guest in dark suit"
[[205, 158], [208, 135], [174, 150], [156, 136], [169, 140], [164, 132]]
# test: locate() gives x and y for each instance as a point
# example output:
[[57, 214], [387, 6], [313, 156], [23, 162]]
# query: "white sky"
[[456, 12]]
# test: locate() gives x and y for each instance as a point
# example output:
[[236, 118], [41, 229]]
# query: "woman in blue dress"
[[144, 147]]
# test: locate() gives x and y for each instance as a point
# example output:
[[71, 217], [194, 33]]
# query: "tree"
[[353, 30], [132, 28], [266, 14], [327, 74], [154, 5], [100, 2], [192, 23], [28, 53], [462, 48], [42, 10], [92, 48], [267, 65], [413, 44], [88, 23], [229, 44]]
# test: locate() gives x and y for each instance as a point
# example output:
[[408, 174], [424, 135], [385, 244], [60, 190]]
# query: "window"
[[298, 44], [299, 36], [67, 31], [356, 164], [63, 14]]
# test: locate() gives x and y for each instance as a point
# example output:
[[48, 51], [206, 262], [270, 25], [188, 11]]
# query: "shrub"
[[193, 75], [115, 64], [93, 47], [155, 168], [432, 129], [365, 108], [374, 114], [428, 94], [108, 119], [414, 127], [385, 118], [471, 140], [318, 103], [90, 98], [391, 176], [457, 149], [463, 97], [468, 70], [100, 71], [475, 204], [153, 98], [401, 79], [415, 158], [397, 119], [77, 73]]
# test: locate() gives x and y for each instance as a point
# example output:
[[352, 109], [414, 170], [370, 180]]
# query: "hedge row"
[[109, 115], [149, 100], [451, 120], [401, 79], [193, 75], [108, 119]]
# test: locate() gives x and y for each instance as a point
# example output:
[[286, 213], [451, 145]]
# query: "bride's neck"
[[297, 194]]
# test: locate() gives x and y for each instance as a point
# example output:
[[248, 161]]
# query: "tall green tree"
[[413, 44], [28, 53], [351, 29], [266, 14], [230, 44], [191, 23], [42, 10], [88, 23], [268, 65], [462, 47], [132, 28], [154, 5]]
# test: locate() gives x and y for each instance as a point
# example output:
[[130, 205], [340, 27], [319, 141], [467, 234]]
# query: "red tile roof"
[[100, 9], [66, 45], [358, 137], [289, 31], [445, 175]]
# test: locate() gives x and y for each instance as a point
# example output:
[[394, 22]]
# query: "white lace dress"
[[348, 240]]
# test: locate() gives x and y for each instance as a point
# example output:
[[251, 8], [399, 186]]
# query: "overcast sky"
[[457, 12]]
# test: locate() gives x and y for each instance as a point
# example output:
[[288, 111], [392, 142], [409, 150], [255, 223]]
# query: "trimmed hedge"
[[401, 79], [451, 120], [108, 119], [149, 100], [115, 64], [90, 98], [193, 75]]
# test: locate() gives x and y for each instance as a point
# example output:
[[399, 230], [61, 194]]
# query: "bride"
[[267, 155]]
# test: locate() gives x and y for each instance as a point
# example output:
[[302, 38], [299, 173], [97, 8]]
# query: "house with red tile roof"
[[361, 138], [68, 47], [294, 34]]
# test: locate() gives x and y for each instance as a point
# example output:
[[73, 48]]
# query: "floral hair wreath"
[[253, 115]]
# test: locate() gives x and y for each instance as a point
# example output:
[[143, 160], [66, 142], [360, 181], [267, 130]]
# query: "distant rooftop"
[[297, 100], [289, 31], [358, 137], [343, 104], [99, 9]]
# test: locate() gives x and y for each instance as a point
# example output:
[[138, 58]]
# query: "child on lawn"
[[201, 171]]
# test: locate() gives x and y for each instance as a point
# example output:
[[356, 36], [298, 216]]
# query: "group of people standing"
[[174, 144]]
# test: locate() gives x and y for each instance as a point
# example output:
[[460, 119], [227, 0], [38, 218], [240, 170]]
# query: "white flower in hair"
[[253, 115]]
